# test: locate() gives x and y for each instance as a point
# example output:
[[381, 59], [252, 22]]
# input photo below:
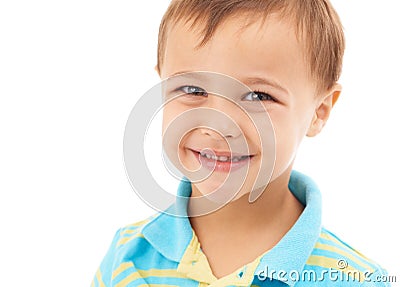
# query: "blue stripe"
[[350, 251], [336, 256]]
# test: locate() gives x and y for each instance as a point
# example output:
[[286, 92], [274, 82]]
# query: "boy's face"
[[265, 57]]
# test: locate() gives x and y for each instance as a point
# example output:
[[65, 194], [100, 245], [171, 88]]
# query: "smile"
[[221, 161], [224, 158]]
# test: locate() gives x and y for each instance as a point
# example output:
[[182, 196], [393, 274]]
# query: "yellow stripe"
[[129, 231], [335, 240], [121, 268], [133, 230], [342, 252], [161, 273], [142, 222], [99, 278], [171, 273], [327, 262], [128, 279], [124, 240], [139, 223]]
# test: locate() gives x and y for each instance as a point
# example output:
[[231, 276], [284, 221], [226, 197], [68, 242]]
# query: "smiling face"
[[268, 59]]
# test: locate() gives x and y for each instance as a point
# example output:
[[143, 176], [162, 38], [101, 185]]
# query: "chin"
[[221, 190]]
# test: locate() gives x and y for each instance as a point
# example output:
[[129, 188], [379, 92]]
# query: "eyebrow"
[[264, 81], [189, 74], [247, 81], [178, 73]]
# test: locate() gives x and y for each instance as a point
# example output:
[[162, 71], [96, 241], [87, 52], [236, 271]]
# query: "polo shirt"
[[163, 250]]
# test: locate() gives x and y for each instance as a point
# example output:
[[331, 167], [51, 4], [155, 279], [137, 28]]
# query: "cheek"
[[289, 132], [290, 129], [170, 112], [172, 136]]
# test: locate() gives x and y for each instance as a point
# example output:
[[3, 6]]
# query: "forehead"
[[240, 49]]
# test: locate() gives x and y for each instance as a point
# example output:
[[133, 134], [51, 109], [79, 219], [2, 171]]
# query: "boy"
[[289, 54]]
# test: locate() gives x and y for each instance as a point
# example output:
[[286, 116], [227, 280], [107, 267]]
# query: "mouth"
[[221, 161]]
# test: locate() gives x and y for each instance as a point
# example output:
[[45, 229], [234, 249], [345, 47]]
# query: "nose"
[[223, 123], [215, 134]]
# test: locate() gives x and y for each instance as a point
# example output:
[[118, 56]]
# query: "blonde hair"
[[317, 23]]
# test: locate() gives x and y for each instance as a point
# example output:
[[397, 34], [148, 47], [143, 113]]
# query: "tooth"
[[208, 156], [223, 158], [214, 157], [235, 159]]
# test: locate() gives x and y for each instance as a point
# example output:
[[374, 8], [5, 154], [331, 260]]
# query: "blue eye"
[[193, 90], [259, 96]]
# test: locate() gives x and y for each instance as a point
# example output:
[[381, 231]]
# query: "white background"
[[71, 71]]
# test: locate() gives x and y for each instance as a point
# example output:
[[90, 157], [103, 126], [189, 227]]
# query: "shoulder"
[[125, 239], [132, 231], [344, 262]]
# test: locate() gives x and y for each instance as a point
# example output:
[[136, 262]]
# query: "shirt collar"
[[293, 250], [171, 235]]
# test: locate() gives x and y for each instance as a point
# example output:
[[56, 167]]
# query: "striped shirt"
[[163, 250]]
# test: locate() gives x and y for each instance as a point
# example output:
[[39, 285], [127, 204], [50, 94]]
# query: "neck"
[[241, 231], [275, 209]]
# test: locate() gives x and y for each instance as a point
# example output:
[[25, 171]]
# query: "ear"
[[157, 70], [323, 110]]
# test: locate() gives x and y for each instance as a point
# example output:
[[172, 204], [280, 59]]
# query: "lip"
[[221, 153], [220, 166]]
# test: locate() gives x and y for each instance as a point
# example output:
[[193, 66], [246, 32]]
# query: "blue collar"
[[171, 235], [292, 251]]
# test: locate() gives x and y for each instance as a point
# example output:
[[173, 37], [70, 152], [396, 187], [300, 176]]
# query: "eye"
[[259, 96], [193, 90]]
